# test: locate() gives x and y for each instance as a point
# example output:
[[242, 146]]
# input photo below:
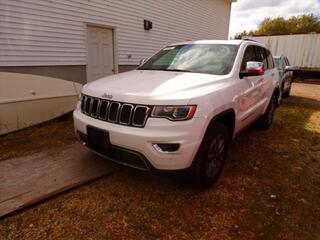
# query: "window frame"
[[270, 59], [244, 54], [259, 52], [263, 54]]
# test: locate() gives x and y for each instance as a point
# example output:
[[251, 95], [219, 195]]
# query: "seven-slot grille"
[[115, 112]]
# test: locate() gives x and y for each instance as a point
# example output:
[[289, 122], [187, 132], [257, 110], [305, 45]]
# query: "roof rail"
[[248, 39]]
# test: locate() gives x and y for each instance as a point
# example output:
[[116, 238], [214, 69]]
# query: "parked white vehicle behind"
[[180, 109]]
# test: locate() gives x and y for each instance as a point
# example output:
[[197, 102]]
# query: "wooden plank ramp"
[[27, 180]]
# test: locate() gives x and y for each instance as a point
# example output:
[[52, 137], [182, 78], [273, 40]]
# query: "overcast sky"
[[247, 14]]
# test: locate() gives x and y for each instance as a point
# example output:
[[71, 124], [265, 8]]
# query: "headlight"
[[174, 113]]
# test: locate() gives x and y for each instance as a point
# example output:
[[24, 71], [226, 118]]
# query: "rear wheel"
[[211, 156], [287, 93], [266, 119]]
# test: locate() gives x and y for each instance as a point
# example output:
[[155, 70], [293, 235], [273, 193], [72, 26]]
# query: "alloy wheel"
[[215, 156]]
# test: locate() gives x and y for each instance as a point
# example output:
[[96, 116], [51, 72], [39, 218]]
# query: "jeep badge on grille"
[[108, 96]]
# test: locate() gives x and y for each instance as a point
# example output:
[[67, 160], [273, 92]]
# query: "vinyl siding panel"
[[42, 33]]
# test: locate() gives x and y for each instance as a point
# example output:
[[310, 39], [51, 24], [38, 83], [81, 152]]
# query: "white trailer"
[[302, 50]]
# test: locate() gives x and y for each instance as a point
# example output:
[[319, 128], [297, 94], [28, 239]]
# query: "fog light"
[[166, 147]]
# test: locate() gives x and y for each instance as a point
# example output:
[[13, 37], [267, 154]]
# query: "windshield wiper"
[[176, 70], [170, 70]]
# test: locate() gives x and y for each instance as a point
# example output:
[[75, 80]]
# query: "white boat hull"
[[26, 100]]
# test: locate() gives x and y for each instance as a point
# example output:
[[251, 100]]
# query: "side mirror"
[[252, 69], [142, 61], [289, 68]]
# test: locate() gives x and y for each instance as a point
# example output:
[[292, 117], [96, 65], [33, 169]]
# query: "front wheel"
[[265, 121], [211, 156]]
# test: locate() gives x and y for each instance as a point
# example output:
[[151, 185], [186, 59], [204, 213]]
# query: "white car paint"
[[212, 94]]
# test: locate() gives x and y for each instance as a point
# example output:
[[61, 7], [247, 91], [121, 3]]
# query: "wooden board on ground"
[[27, 180]]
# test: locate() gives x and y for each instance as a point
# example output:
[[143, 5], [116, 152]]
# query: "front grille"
[[115, 112]]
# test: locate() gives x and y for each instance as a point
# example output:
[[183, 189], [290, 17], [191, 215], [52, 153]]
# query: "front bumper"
[[188, 134]]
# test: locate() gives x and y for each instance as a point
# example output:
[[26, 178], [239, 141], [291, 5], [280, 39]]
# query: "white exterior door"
[[100, 53]]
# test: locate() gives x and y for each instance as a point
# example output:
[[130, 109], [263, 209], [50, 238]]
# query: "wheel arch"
[[227, 117]]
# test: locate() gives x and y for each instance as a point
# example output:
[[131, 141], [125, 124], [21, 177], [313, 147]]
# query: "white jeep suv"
[[180, 108]]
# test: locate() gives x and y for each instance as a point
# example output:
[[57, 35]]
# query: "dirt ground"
[[49, 136], [270, 189]]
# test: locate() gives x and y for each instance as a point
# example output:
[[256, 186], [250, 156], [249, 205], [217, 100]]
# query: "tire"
[[287, 93], [280, 100], [265, 121], [209, 161]]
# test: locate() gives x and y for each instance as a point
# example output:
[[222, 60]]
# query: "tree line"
[[305, 23]]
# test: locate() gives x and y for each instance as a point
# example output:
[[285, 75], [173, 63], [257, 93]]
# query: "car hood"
[[154, 87]]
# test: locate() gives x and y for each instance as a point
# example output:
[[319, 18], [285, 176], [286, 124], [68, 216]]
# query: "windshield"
[[214, 59]]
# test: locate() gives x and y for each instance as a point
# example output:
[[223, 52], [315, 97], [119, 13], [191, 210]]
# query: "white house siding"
[[53, 32]]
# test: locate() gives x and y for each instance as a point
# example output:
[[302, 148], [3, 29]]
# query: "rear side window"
[[249, 55], [258, 54], [262, 56], [270, 60]]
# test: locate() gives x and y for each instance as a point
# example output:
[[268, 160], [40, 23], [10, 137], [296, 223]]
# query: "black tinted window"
[[262, 56], [270, 60], [249, 55]]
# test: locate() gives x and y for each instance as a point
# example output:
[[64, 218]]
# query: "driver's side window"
[[249, 55]]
